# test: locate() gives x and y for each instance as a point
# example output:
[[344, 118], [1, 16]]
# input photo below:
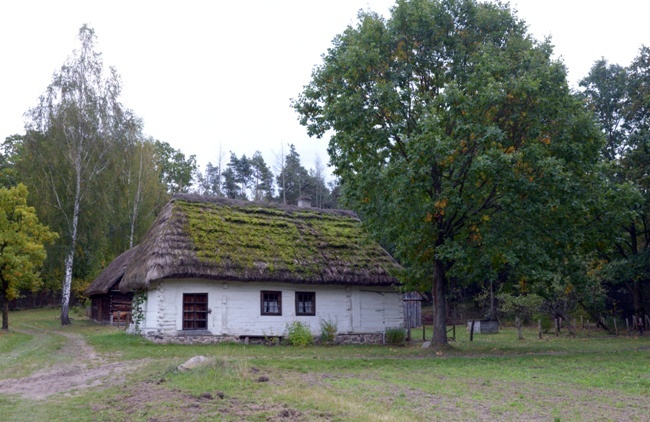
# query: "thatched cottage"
[[108, 304], [213, 268]]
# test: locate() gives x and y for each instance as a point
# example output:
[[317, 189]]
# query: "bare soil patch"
[[138, 400], [88, 369]]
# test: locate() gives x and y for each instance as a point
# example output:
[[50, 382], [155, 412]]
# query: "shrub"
[[299, 334], [547, 322], [328, 330], [395, 336]]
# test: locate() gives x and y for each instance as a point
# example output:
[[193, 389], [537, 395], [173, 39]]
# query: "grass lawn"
[[495, 377]]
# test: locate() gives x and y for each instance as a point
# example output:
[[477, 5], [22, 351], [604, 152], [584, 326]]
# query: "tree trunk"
[[637, 298], [439, 305], [493, 307], [136, 200], [5, 313], [69, 260], [67, 283]]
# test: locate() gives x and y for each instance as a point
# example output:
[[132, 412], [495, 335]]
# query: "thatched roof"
[[112, 274], [222, 239]]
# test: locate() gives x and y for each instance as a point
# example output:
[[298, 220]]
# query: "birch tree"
[[70, 134]]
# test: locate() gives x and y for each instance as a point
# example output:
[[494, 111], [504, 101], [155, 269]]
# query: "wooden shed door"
[[195, 311], [372, 309]]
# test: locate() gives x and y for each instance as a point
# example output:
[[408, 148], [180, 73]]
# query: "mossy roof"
[[222, 239]]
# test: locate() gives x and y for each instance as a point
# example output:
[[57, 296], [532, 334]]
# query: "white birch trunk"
[[136, 201], [69, 260]]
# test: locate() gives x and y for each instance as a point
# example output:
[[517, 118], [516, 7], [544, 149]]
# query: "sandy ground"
[[88, 369]]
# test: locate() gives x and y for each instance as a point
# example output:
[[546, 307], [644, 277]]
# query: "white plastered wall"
[[235, 308]]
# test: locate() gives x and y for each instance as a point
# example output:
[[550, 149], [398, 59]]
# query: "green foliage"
[[396, 336], [523, 306], [176, 171], [457, 140], [96, 174], [545, 319], [328, 331], [22, 251], [137, 311], [248, 178], [293, 179], [9, 157], [78, 154], [299, 334], [620, 96]]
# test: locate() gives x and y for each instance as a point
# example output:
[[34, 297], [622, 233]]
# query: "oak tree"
[[21, 246], [443, 118]]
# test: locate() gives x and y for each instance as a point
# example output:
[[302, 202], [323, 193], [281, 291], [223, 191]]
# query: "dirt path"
[[88, 369]]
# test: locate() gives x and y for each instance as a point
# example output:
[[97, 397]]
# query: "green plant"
[[547, 321], [299, 334], [395, 336], [79, 310], [137, 312], [328, 330]]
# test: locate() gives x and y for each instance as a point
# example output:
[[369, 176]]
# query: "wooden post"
[[454, 331], [641, 327], [582, 322], [518, 323], [471, 331], [557, 327], [424, 330], [571, 328], [615, 327], [119, 318], [408, 321]]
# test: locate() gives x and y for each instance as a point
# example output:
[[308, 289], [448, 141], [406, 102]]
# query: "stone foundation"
[[159, 339], [367, 338]]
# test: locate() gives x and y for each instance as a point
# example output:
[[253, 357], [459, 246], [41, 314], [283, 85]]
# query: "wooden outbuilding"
[[108, 303]]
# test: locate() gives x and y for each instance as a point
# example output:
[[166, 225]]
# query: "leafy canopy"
[[444, 118], [21, 245]]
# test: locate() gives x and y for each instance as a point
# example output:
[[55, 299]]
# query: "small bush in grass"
[[395, 336], [547, 322], [299, 334], [328, 330]]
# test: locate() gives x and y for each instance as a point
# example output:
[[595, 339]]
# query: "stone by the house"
[[194, 362]]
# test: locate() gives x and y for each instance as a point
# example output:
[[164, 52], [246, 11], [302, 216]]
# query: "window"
[[195, 311], [271, 303], [305, 303]]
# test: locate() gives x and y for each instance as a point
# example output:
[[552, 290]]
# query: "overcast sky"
[[205, 73]]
